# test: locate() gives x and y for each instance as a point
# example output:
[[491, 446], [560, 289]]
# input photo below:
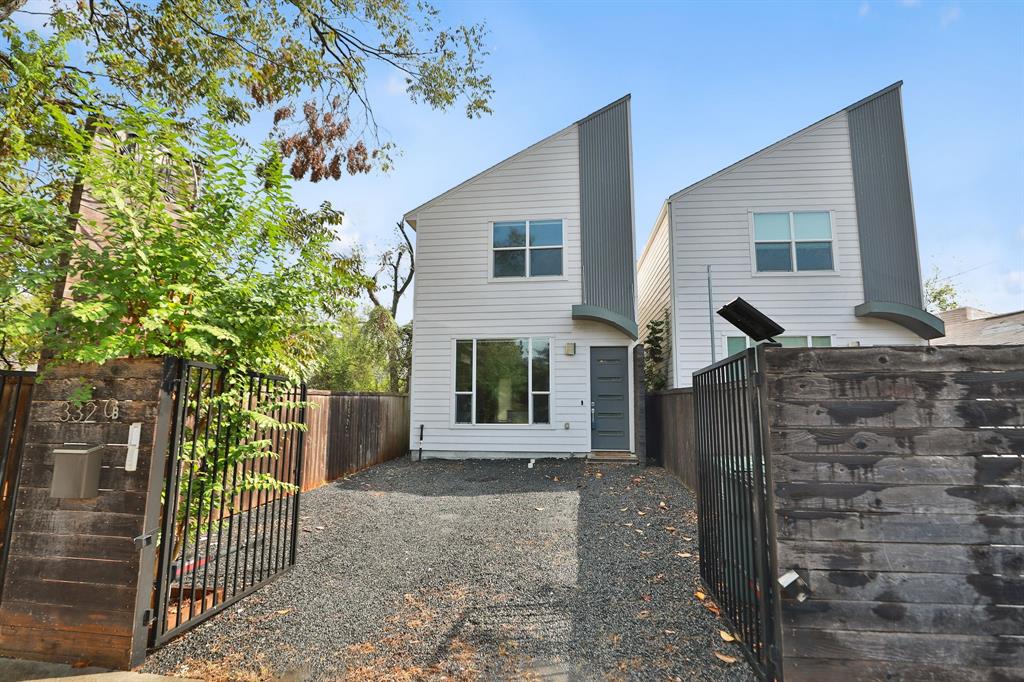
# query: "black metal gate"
[[15, 399], [736, 561], [231, 492]]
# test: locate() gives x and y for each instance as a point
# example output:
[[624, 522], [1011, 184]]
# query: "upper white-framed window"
[[734, 344], [527, 248], [502, 381], [793, 241]]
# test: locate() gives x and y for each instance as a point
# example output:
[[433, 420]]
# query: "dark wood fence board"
[[879, 616], [883, 497], [901, 386], [670, 433], [886, 555], [904, 647], [899, 497], [792, 439], [958, 529], [826, 669], [900, 359], [898, 413], [885, 468]]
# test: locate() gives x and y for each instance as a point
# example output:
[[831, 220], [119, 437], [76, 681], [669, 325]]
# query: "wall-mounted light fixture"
[[570, 348]]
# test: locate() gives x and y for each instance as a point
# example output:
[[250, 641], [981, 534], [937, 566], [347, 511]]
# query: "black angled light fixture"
[[750, 320]]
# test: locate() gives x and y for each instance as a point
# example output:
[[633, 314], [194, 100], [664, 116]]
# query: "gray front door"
[[609, 398]]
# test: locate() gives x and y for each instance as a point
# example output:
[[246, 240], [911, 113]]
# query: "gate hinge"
[[145, 540], [147, 617]]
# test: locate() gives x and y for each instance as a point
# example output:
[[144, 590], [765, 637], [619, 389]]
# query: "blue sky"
[[712, 83]]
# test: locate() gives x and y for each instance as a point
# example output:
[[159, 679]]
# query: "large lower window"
[[527, 248], [734, 344], [503, 381], [793, 241]]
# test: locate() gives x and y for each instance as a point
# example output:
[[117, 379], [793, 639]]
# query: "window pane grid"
[[816, 239], [549, 238], [501, 393]]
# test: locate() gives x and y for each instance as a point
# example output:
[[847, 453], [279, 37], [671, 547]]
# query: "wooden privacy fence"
[[670, 440], [349, 432], [899, 498]]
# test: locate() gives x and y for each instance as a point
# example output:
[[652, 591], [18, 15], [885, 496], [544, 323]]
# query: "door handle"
[[593, 417]]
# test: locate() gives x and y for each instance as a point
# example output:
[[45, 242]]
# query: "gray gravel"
[[477, 570]]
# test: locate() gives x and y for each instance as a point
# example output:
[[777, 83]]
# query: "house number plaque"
[[90, 411]]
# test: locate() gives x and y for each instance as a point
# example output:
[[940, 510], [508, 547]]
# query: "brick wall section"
[[899, 496], [72, 587]]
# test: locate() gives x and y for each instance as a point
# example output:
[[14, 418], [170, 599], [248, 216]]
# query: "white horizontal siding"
[[654, 282], [711, 226], [454, 299]]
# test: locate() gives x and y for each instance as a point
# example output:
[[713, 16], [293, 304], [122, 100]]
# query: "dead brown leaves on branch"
[[317, 147]]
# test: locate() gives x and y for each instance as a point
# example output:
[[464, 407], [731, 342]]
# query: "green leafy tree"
[[199, 253], [306, 61], [349, 359], [655, 354], [940, 293]]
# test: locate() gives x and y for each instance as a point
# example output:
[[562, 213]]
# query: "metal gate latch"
[[145, 540]]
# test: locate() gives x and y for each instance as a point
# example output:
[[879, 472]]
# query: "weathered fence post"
[[80, 571]]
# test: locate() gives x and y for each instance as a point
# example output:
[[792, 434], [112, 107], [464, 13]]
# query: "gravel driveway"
[[477, 570]]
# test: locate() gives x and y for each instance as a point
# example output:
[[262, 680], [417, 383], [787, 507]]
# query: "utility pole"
[[711, 315]]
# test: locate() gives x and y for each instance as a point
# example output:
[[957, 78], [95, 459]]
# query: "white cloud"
[[949, 15], [863, 9]]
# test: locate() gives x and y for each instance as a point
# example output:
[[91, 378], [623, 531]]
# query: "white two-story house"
[[524, 304], [817, 231]]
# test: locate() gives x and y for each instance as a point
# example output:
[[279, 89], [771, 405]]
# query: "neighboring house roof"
[[410, 216], [776, 145], [970, 326]]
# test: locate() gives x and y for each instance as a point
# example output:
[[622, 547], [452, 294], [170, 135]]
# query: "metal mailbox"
[[76, 470]]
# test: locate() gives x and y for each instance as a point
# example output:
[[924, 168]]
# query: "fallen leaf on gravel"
[[670, 632], [628, 525], [320, 528], [700, 595], [642, 513], [671, 529], [598, 475], [724, 658], [713, 608], [283, 612], [660, 578], [624, 509], [688, 539], [539, 508], [637, 479], [638, 531], [306, 530], [684, 555], [555, 479], [646, 597], [726, 637], [663, 505]]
